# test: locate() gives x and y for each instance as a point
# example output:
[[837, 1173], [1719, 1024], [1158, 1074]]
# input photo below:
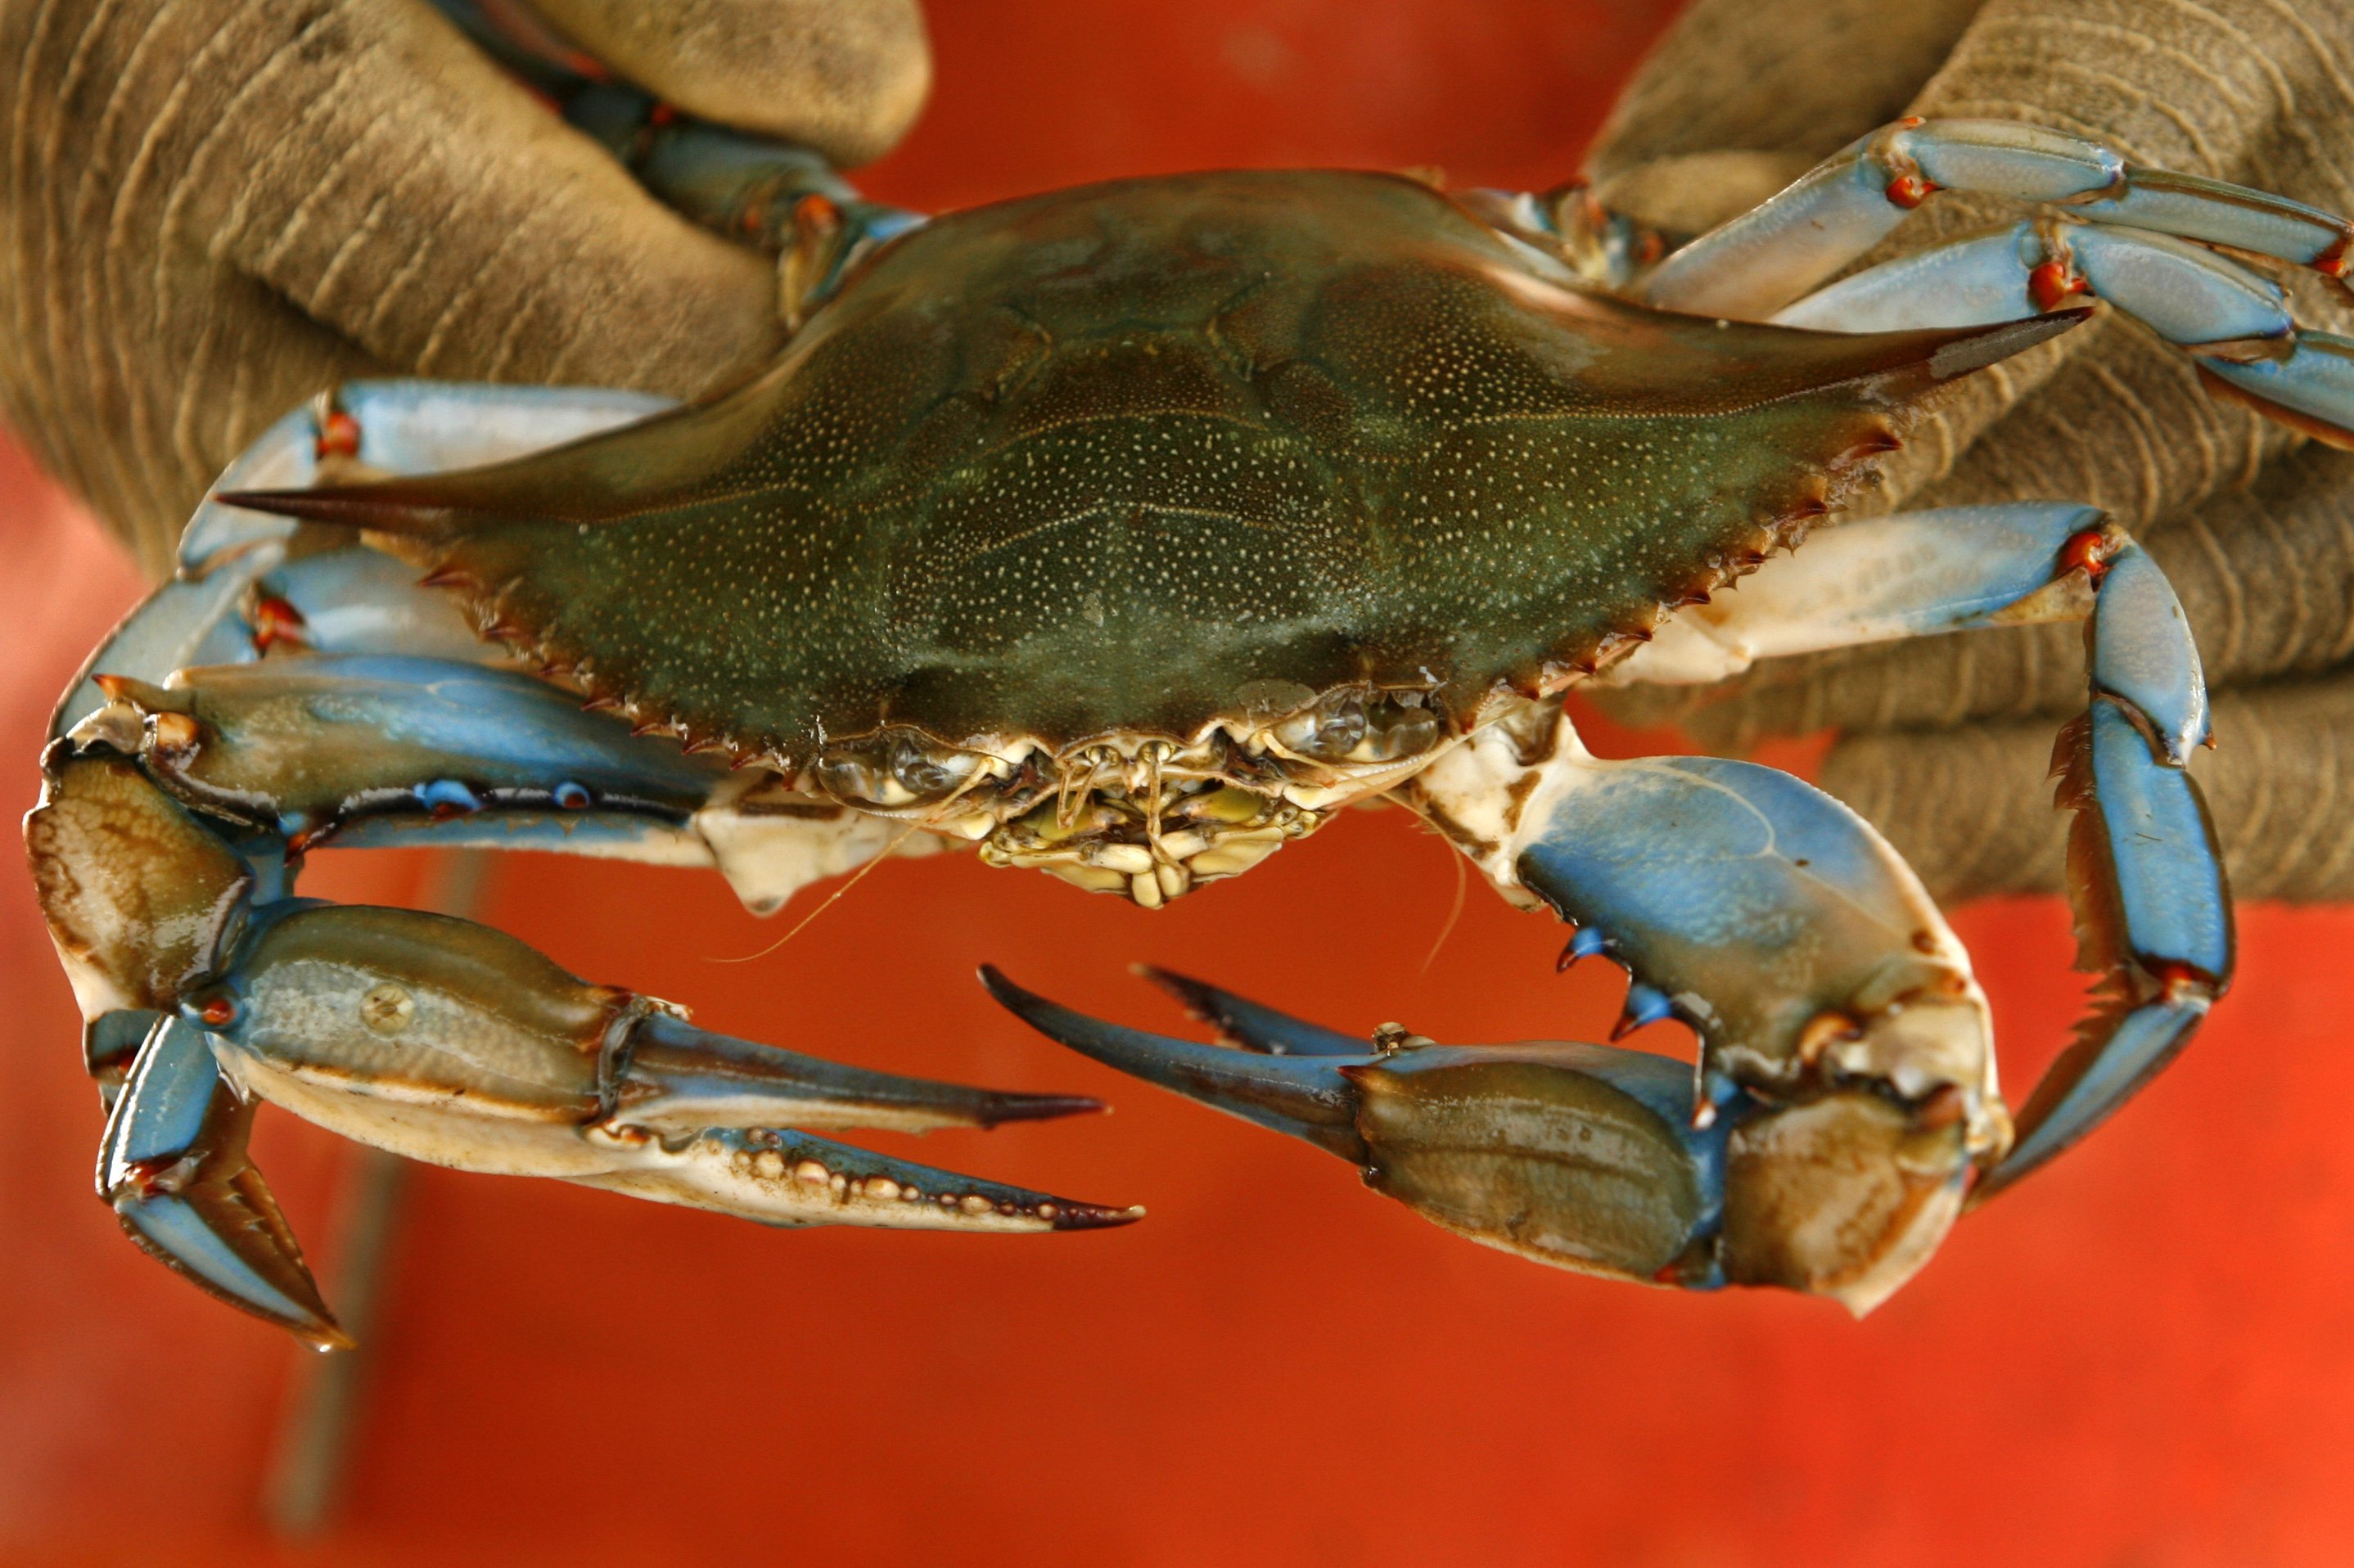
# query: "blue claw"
[[1575, 1155], [1241, 1021], [1762, 911], [1306, 1096], [174, 1169]]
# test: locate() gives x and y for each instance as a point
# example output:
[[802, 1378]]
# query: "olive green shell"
[[1132, 457]]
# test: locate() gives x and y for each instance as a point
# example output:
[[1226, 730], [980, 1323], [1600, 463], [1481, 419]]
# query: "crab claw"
[[455, 1044], [1579, 1156]]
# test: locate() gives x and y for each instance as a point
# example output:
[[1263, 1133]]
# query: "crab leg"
[[1913, 574], [1846, 1088], [2233, 322], [1762, 260], [432, 1037], [2143, 862], [237, 583], [2118, 232], [332, 745], [743, 184]]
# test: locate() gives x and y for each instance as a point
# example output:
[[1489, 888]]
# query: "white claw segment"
[[792, 1179]]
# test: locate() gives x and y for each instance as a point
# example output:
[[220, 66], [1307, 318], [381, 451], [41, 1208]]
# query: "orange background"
[[2145, 1356]]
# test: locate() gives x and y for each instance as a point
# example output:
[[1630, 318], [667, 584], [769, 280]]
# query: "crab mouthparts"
[[1151, 845]]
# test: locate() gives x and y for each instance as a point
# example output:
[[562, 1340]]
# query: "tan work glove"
[[1946, 741], [212, 209]]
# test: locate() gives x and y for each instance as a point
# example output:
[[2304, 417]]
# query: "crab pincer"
[[1582, 1156]]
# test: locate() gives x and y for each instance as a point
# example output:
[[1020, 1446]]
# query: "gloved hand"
[[212, 209], [1946, 741]]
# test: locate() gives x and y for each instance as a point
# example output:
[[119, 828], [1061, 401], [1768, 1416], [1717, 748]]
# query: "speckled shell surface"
[[1135, 456]]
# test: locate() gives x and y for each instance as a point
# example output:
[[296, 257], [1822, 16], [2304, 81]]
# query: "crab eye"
[[920, 773], [1331, 730], [848, 775], [892, 770], [1381, 729]]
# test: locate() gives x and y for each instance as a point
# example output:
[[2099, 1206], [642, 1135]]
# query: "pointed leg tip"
[[1058, 1023], [1092, 1216], [326, 1337], [1014, 1107], [1198, 997], [1007, 993]]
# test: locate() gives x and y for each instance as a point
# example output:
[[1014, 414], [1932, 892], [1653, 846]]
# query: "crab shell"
[[1265, 482]]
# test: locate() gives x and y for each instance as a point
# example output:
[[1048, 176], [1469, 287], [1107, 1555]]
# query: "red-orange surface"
[[2145, 1356]]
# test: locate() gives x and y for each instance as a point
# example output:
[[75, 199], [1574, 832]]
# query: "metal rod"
[[311, 1460]]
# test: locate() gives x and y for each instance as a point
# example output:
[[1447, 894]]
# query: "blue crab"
[[1128, 532]]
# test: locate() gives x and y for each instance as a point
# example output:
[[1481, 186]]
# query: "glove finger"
[[190, 175], [404, 192], [2247, 90], [2265, 575], [1801, 77], [845, 77], [2280, 782]]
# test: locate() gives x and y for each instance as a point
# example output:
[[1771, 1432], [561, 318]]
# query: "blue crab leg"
[[2235, 323], [2147, 876], [173, 1167], [396, 427], [736, 183], [304, 747], [233, 563], [1787, 246], [1581, 1156]]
